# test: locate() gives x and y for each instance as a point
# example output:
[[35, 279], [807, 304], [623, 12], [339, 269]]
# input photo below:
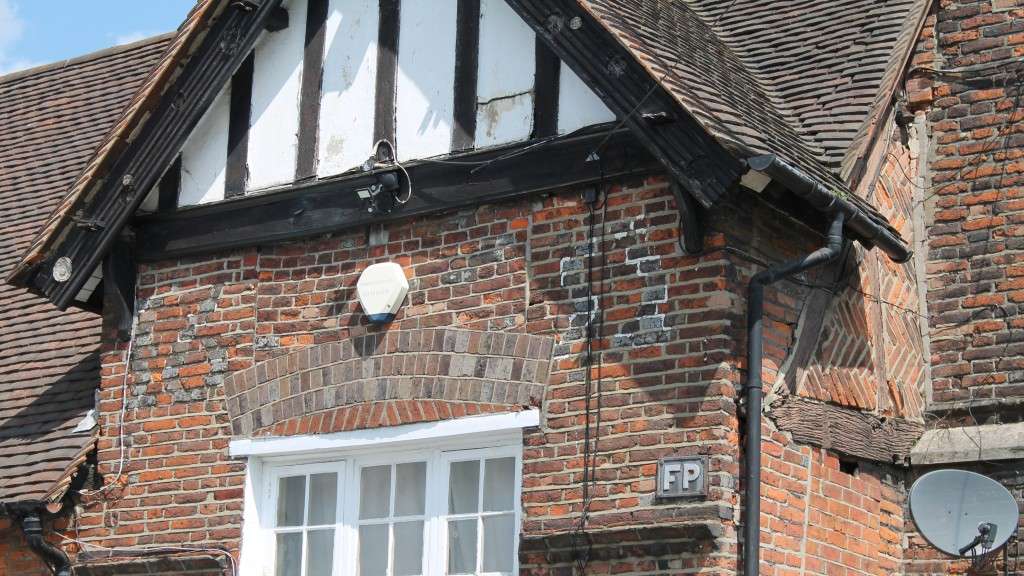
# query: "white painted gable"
[[424, 94], [274, 121], [424, 108], [349, 86], [505, 77]]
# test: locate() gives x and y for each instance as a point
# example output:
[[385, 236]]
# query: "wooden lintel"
[[329, 206], [847, 431]]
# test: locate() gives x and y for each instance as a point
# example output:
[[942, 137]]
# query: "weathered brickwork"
[[817, 518], [869, 352], [974, 212], [975, 206], [176, 485], [450, 366], [15, 556], [665, 329]]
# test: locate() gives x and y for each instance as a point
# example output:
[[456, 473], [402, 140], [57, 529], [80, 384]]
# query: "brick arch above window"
[[448, 372]]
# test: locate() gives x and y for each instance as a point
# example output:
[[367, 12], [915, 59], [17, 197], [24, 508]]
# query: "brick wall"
[[671, 335], [667, 371], [15, 556], [974, 211], [868, 351], [823, 516], [975, 207]]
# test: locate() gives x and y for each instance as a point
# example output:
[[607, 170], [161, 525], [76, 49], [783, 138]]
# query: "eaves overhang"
[[705, 162], [211, 44], [219, 34]]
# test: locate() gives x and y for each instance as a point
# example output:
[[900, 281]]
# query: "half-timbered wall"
[[274, 120], [447, 50], [205, 155], [350, 75]]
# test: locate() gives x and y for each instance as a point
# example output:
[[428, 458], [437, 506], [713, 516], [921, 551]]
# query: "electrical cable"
[[394, 158], [590, 446], [966, 70], [157, 550], [122, 460]]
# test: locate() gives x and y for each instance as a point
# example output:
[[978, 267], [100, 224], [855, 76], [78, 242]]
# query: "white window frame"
[[270, 495], [437, 444]]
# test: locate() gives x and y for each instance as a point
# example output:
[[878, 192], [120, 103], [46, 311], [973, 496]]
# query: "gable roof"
[[208, 47], [744, 74], [806, 80], [118, 134], [52, 118]]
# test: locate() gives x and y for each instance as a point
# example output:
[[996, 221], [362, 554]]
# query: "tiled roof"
[[51, 121], [803, 79], [156, 78]]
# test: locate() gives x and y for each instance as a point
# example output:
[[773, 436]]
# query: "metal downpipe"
[[55, 558], [754, 392]]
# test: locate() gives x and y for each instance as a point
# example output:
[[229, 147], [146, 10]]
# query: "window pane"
[[462, 546], [289, 554], [463, 489], [499, 541], [373, 550], [375, 492], [291, 499], [320, 556], [411, 481], [323, 498], [499, 484], [408, 548]]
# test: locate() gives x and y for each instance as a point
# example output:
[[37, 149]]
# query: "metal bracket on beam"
[[691, 229]]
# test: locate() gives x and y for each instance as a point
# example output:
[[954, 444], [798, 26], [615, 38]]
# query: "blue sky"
[[34, 32]]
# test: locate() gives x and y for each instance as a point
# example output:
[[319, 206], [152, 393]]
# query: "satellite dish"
[[963, 513]]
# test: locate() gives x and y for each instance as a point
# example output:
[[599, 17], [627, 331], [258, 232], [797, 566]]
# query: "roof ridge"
[[88, 57]]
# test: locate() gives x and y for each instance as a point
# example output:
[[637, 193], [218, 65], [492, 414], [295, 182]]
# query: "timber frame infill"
[[96, 224], [307, 209]]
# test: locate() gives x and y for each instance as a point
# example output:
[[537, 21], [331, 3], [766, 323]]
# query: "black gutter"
[[870, 232], [754, 393], [55, 558]]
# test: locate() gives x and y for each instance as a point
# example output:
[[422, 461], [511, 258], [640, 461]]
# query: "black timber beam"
[[311, 209], [467, 61], [140, 165], [311, 92], [670, 133], [548, 70], [119, 287], [387, 70]]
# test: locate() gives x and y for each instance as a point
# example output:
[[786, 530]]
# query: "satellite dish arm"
[[986, 537]]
